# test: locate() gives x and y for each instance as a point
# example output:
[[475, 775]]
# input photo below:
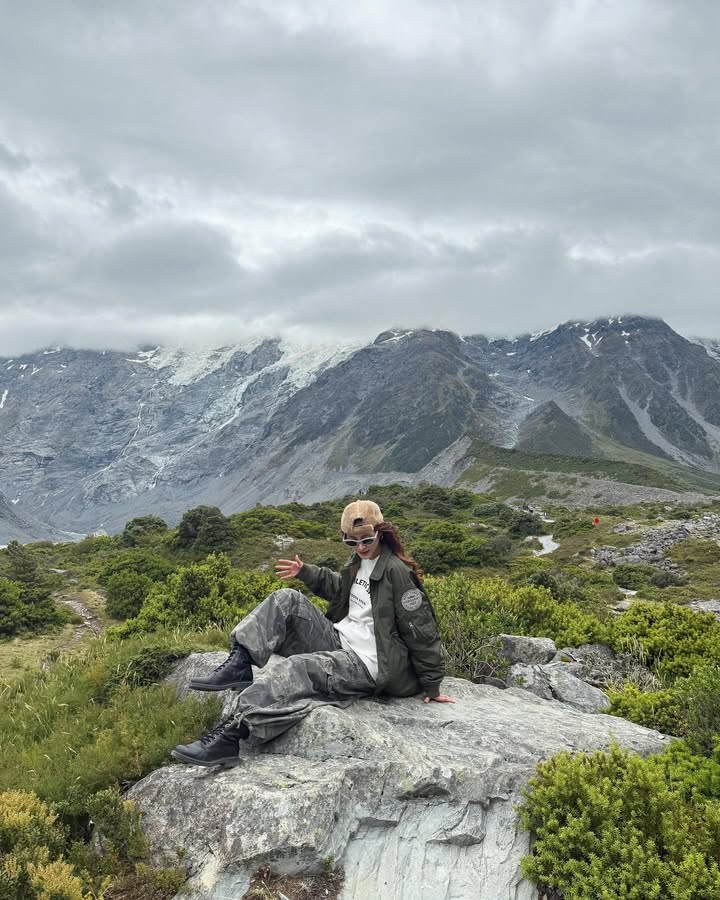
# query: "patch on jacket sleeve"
[[412, 599]]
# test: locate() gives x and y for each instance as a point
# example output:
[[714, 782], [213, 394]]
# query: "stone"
[[531, 678], [283, 541], [711, 606], [410, 799], [568, 688], [529, 650]]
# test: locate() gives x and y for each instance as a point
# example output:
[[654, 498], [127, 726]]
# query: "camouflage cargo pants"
[[316, 670]]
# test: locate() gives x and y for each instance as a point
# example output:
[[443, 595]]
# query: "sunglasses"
[[363, 542]]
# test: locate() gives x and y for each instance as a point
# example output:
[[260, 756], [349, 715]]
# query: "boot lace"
[[234, 653], [215, 732]]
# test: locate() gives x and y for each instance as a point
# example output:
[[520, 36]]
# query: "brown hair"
[[388, 533]]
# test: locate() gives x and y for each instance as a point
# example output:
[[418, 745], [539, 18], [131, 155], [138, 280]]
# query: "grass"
[[21, 655], [649, 472]]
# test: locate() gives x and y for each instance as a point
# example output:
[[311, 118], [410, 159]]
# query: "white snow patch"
[[539, 334], [34, 370], [399, 336], [16, 500], [586, 340], [10, 367], [189, 366], [529, 398], [23, 366], [493, 374], [48, 352], [712, 348], [4, 398], [513, 353]]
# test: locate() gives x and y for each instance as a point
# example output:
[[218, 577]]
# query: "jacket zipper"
[[412, 628]]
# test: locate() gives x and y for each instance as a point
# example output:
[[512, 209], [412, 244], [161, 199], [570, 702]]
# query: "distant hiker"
[[379, 635]]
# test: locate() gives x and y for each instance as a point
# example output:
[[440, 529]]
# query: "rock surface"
[[411, 800], [655, 542], [711, 606], [516, 648]]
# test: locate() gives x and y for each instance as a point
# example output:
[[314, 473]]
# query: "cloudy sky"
[[196, 173]]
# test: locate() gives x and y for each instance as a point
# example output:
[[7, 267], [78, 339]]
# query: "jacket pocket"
[[423, 626]]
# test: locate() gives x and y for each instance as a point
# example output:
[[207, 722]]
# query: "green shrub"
[[661, 578], [471, 613], [139, 562], [31, 846], [632, 576], [126, 593], [523, 524], [26, 608], [199, 595], [11, 608], [436, 557], [204, 529], [612, 824], [698, 697], [653, 709], [142, 529], [673, 639]]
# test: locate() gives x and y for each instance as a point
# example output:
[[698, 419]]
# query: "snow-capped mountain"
[[90, 439]]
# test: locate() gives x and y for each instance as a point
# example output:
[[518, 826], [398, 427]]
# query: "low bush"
[[632, 577], [31, 851], [126, 593], [142, 530], [673, 639], [472, 612], [653, 709], [200, 595], [612, 824]]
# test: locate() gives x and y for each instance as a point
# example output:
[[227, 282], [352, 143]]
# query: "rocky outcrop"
[[573, 675], [655, 542], [411, 800]]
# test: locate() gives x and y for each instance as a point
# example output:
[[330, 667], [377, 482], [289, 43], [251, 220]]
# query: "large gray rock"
[[559, 681], [568, 688], [516, 648], [412, 800]]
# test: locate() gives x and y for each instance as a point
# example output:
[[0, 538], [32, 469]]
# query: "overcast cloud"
[[196, 173]]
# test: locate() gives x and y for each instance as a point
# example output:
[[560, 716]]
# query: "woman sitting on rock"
[[379, 635]]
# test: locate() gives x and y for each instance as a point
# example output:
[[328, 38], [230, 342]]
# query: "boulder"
[[528, 650], [410, 799], [568, 688], [197, 665], [531, 678]]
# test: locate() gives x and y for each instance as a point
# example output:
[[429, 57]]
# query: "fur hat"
[[359, 518]]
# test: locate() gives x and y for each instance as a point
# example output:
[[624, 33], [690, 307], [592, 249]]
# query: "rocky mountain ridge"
[[90, 439]]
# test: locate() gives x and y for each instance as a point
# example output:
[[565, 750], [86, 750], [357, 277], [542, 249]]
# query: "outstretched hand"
[[441, 698], [288, 568]]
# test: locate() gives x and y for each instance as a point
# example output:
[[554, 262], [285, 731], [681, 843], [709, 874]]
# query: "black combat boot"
[[218, 747], [235, 673]]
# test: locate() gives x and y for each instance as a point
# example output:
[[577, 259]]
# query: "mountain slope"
[[90, 439]]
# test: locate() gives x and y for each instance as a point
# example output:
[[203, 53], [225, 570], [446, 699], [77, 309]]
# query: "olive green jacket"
[[406, 633]]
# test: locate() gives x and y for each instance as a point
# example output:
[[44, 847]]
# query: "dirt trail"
[[90, 622]]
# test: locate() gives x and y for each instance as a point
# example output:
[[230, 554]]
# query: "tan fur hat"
[[359, 518]]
